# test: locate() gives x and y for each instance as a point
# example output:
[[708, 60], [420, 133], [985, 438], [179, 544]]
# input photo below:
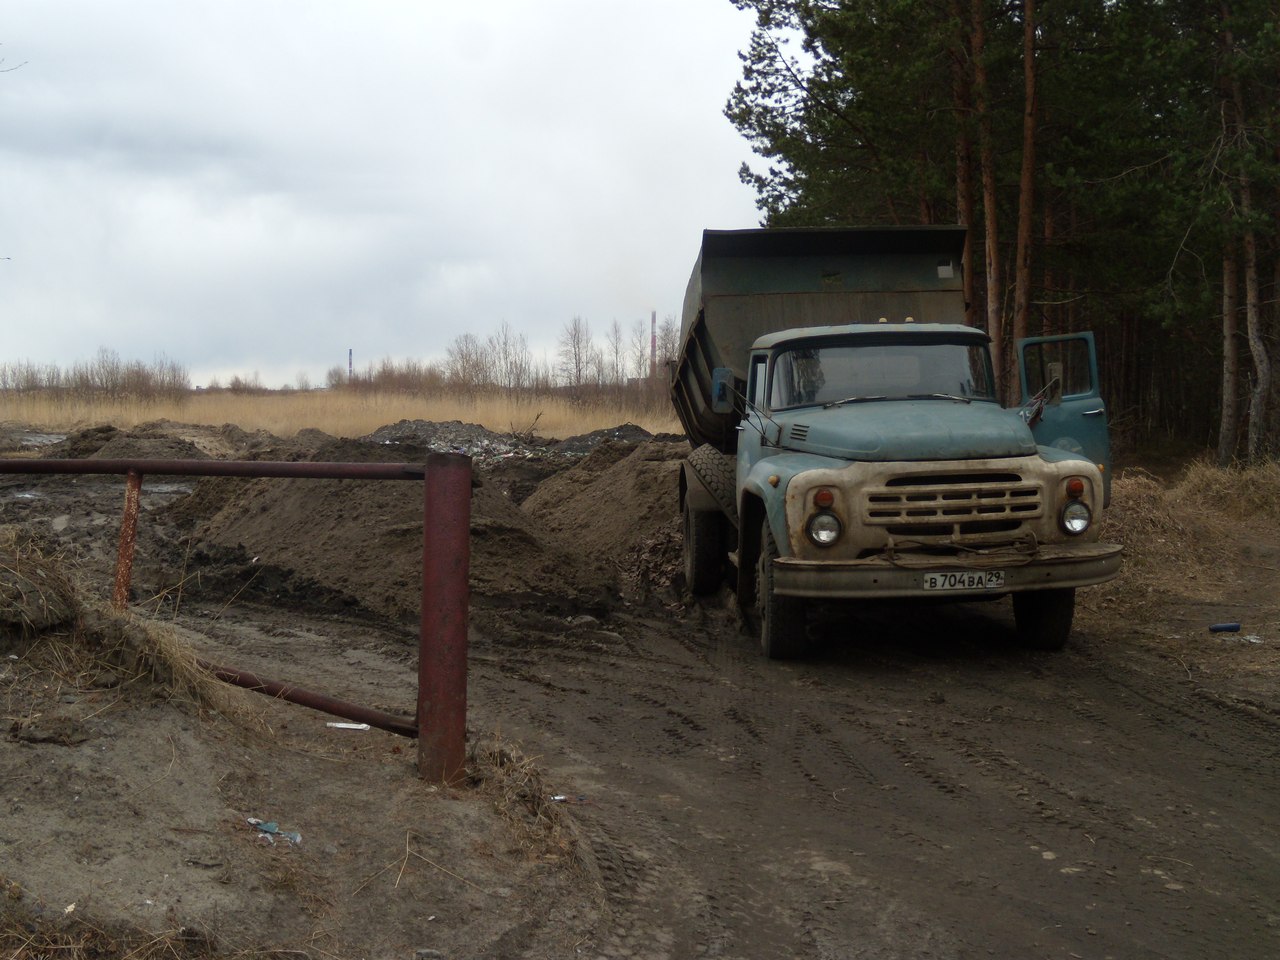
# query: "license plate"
[[964, 580]]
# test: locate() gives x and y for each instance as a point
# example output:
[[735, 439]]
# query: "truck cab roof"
[[947, 331]]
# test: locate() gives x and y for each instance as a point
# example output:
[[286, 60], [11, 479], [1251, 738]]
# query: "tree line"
[[105, 377], [616, 368], [622, 364], [1117, 163]]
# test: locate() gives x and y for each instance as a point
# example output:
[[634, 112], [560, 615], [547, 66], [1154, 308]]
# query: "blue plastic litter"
[[270, 830]]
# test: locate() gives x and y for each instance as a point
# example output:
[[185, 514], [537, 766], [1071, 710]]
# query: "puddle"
[[40, 439], [149, 487]]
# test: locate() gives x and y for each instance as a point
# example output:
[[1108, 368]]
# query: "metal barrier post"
[[128, 540], [442, 650]]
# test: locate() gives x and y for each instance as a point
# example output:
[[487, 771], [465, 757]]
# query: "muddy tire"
[[781, 619], [1043, 617], [717, 471], [704, 550]]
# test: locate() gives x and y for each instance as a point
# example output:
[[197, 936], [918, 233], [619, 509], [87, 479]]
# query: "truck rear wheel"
[[717, 470], [1043, 617], [782, 619], [703, 550]]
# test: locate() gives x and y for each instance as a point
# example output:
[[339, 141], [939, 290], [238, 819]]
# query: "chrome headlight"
[[1075, 518], [824, 529]]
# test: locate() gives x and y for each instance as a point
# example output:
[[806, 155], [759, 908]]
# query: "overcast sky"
[[257, 186]]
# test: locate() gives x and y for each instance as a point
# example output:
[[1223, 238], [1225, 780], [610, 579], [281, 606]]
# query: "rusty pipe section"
[[222, 468], [128, 540], [404, 726]]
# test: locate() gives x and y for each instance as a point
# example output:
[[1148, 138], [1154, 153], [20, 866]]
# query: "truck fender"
[[770, 498], [752, 512]]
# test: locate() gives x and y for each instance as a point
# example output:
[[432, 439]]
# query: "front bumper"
[[902, 575]]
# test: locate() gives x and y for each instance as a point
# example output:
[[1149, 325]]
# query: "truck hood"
[[884, 430]]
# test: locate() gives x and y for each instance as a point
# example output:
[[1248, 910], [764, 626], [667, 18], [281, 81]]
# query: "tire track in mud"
[[671, 721], [1137, 807], [662, 721], [909, 806], [974, 799]]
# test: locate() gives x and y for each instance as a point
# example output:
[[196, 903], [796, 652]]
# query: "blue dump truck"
[[848, 442]]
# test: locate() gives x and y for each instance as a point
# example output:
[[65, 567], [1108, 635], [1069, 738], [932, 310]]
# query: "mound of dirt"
[[168, 440], [619, 507], [586, 442], [82, 443], [454, 436], [364, 539], [124, 446]]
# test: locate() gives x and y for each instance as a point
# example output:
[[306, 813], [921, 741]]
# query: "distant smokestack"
[[348, 364], [653, 345]]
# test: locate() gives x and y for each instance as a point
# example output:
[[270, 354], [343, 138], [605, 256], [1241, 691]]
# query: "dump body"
[[849, 442], [748, 283]]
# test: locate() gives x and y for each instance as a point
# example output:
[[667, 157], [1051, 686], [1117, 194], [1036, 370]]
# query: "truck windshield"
[[821, 373]]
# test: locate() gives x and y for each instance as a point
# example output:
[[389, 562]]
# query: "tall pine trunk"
[[990, 201], [1258, 440], [1229, 425], [962, 103], [1026, 180]]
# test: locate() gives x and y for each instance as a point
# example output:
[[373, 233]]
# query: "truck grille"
[[941, 505]]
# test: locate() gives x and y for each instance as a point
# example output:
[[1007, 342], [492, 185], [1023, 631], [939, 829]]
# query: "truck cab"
[[874, 460]]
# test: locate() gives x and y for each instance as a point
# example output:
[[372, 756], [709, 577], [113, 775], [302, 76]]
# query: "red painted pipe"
[[221, 468], [317, 701], [442, 651]]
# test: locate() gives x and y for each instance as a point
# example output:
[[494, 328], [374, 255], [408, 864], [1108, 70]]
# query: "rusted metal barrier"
[[440, 719]]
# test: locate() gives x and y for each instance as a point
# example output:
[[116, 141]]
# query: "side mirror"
[[722, 390]]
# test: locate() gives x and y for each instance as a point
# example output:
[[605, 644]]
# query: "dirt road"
[[918, 787], [931, 792]]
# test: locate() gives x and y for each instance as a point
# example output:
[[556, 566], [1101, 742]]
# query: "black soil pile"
[[364, 539]]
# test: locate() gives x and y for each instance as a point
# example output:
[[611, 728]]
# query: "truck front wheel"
[[1043, 617], [703, 550], [782, 619]]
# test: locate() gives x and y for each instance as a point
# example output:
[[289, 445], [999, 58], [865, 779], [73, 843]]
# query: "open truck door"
[[1059, 376]]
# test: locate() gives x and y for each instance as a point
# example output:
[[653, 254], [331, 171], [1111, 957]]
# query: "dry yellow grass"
[[339, 413], [1184, 541], [1244, 493]]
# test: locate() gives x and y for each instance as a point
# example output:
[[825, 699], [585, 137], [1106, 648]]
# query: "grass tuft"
[[37, 592], [516, 788]]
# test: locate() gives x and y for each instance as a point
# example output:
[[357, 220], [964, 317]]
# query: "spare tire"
[[718, 473]]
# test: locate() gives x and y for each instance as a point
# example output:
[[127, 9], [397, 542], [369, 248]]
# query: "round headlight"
[[824, 529], [1075, 518]]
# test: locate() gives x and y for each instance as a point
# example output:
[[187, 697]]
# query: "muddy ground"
[[643, 783]]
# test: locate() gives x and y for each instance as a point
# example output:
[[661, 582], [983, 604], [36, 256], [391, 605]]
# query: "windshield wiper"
[[939, 396], [841, 403]]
